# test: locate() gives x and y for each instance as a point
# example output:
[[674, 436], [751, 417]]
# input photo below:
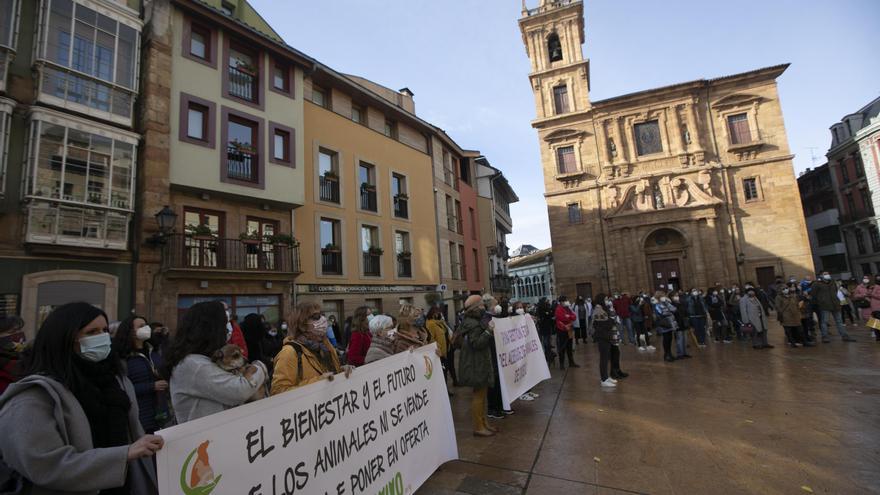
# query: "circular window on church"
[[661, 239]]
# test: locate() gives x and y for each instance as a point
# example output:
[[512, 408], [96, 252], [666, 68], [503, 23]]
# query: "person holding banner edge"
[[307, 355], [71, 424], [475, 364]]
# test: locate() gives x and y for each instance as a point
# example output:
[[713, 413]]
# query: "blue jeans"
[[838, 321], [630, 333], [699, 325], [680, 343]]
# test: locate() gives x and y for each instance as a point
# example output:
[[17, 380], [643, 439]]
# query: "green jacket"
[[475, 363], [825, 295], [787, 310]]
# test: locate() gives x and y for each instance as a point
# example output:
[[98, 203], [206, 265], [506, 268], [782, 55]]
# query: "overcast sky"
[[466, 64]]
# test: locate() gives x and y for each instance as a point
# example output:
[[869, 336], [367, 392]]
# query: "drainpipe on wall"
[[607, 278]]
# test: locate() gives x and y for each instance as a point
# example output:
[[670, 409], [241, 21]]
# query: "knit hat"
[[473, 301], [379, 323]]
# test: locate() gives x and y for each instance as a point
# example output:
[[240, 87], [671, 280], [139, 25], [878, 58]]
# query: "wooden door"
[[766, 276], [666, 274], [584, 290]]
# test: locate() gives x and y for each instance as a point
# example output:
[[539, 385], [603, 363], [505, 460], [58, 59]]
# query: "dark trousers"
[[699, 325], [449, 365], [846, 311], [580, 333], [608, 352], [720, 328], [667, 344], [794, 335], [808, 325], [563, 346], [494, 397], [546, 341]]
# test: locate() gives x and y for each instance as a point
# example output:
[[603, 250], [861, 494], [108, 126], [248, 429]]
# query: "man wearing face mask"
[[824, 292], [234, 334], [11, 345], [752, 312], [789, 315]]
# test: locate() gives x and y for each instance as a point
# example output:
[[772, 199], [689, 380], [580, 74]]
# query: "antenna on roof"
[[813, 156]]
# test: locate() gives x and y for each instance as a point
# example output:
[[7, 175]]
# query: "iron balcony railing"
[[372, 265], [401, 207], [331, 262], [404, 267], [184, 251], [241, 164], [242, 84], [329, 189], [368, 199]]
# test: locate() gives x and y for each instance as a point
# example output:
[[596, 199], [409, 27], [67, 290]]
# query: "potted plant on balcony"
[[243, 148], [330, 175], [200, 232], [246, 67], [404, 255], [252, 241], [375, 251], [402, 196], [283, 240], [366, 186], [330, 248]]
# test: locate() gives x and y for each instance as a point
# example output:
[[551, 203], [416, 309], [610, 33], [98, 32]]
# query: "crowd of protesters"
[[80, 403]]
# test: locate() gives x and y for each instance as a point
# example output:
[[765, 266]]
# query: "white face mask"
[[566, 304], [228, 315], [520, 311], [95, 348], [664, 299], [785, 291], [273, 332], [143, 333], [826, 277], [497, 309], [866, 281], [284, 326]]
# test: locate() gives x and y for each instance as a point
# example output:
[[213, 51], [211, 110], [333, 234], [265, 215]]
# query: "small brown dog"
[[230, 358]]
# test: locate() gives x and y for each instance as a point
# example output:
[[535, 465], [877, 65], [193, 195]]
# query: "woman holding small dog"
[[307, 355], [199, 386]]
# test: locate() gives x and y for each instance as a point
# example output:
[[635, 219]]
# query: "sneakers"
[[728, 341], [534, 395], [508, 412], [612, 380], [642, 349], [526, 397], [652, 348], [495, 415], [608, 383]]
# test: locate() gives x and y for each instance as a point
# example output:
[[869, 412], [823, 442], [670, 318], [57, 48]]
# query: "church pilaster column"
[[712, 226], [692, 126], [627, 129], [697, 253], [676, 134]]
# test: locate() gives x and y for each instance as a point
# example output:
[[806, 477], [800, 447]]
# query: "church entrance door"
[[666, 274]]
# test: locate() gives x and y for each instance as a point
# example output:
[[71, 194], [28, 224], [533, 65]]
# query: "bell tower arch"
[[553, 35]]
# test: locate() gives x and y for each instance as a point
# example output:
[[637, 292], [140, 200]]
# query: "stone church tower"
[[680, 186]]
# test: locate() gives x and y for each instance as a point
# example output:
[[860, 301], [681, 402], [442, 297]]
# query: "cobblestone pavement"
[[731, 420]]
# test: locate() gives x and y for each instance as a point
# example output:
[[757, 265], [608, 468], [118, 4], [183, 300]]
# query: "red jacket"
[[237, 338], [564, 317], [358, 347], [621, 306]]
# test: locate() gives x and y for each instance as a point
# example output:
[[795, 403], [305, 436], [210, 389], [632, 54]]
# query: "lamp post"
[[166, 218]]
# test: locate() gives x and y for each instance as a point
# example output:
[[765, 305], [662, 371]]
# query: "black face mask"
[[157, 340]]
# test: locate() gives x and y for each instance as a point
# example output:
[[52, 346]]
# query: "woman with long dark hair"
[[130, 345], [199, 387], [71, 424], [307, 355], [254, 328]]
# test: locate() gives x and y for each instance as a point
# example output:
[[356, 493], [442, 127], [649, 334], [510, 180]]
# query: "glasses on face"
[[315, 317]]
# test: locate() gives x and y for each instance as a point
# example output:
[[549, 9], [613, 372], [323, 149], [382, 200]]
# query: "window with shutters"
[[738, 126], [560, 99], [860, 241], [565, 160], [574, 213]]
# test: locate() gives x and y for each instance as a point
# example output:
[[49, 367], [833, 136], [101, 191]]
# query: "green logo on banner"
[[201, 477], [429, 367]]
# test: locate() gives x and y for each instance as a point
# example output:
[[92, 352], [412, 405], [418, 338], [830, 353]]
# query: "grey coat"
[[751, 311], [47, 438], [200, 388]]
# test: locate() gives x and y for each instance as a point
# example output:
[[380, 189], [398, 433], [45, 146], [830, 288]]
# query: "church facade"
[[675, 187]]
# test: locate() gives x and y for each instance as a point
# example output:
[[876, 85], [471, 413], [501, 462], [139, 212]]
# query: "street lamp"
[[166, 218], [740, 258]]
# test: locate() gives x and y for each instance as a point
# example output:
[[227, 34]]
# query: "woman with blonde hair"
[[307, 355], [410, 329]]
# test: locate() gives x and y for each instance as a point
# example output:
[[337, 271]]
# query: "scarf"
[[105, 404], [314, 338]]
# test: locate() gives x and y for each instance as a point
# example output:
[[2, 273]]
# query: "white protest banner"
[[383, 430], [521, 362]]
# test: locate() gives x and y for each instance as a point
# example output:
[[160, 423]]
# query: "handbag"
[[862, 303], [748, 329]]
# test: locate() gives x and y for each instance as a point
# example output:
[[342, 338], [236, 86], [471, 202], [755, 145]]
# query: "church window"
[[860, 241], [750, 188], [560, 99], [648, 138], [574, 213], [738, 125], [565, 160], [554, 48]]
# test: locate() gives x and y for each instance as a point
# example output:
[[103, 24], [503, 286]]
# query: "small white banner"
[[383, 430], [521, 361]]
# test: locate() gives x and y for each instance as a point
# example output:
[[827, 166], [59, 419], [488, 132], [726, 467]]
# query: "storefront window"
[[241, 306]]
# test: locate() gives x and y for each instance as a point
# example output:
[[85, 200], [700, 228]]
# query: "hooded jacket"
[[47, 438], [475, 367]]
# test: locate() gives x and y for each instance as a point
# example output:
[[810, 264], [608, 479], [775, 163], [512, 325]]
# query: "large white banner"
[[521, 361], [383, 430]]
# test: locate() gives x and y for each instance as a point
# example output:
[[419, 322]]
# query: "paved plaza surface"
[[730, 420]]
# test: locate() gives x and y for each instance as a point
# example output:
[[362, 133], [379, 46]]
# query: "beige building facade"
[[675, 187]]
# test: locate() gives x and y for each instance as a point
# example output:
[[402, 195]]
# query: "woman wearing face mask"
[[752, 312], [11, 345], [716, 304], [272, 342], [565, 318], [696, 310], [199, 387], [867, 298], [359, 342], [131, 347], [666, 323], [437, 331], [607, 338], [475, 363], [382, 335], [307, 355], [71, 424], [788, 313]]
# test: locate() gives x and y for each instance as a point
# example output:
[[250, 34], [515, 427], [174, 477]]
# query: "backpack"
[[299, 361]]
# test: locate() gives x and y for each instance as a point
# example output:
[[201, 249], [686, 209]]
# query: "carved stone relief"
[[664, 192]]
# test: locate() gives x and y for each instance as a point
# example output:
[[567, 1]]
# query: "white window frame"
[[120, 14], [36, 119], [8, 47]]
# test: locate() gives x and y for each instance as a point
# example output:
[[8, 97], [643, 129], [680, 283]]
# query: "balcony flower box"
[[376, 251], [402, 196], [282, 240], [244, 148], [200, 232], [250, 238], [404, 255], [331, 175], [366, 186], [330, 248]]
